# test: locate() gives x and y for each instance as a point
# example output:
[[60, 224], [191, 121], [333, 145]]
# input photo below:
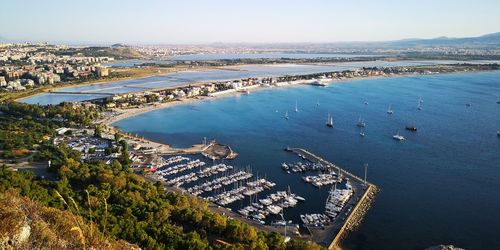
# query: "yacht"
[[329, 121], [411, 127], [420, 101], [362, 132], [322, 81], [389, 110], [286, 115], [398, 137], [319, 83], [285, 166], [361, 123], [296, 107]]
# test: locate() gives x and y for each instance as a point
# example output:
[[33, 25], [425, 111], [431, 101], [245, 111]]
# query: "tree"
[[117, 137], [125, 157], [98, 132]]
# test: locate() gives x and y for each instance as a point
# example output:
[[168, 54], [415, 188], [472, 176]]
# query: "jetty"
[[351, 215], [212, 149]]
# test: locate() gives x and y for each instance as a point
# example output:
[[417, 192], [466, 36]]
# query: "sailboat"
[[286, 115], [389, 110], [361, 123], [329, 121], [398, 137], [420, 101], [362, 132], [296, 107]]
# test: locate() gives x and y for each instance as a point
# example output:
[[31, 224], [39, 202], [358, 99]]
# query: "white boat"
[[285, 166], [361, 123], [362, 132], [329, 121], [286, 115], [299, 198], [274, 209], [398, 137], [389, 110], [296, 107], [322, 82]]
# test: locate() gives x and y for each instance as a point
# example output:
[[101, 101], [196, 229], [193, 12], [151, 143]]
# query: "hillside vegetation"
[[111, 198], [25, 224]]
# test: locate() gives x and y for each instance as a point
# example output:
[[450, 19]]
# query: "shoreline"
[[203, 68], [103, 81], [128, 113]]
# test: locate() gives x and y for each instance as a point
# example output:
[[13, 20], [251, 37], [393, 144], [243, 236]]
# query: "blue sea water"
[[183, 78], [440, 186]]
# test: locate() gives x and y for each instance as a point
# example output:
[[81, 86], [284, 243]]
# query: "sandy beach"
[[126, 113]]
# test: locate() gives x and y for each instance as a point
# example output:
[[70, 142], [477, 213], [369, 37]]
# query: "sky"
[[240, 21]]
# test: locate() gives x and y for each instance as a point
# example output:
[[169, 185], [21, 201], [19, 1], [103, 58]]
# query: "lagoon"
[[183, 78]]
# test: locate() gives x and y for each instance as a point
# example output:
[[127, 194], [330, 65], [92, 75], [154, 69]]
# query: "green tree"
[[98, 132], [117, 137]]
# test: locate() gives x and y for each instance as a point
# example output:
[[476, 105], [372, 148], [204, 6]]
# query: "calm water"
[[231, 56], [95, 91], [441, 186]]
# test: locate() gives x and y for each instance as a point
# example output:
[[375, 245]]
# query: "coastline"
[[127, 113], [103, 81]]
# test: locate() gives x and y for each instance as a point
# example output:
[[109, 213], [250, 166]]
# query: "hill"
[[489, 40], [25, 224]]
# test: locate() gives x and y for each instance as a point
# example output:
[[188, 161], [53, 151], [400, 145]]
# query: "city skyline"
[[197, 22]]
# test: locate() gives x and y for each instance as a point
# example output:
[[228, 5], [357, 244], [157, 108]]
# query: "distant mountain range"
[[486, 41], [490, 40]]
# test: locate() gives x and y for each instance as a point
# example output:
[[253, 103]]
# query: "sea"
[[184, 78], [439, 186]]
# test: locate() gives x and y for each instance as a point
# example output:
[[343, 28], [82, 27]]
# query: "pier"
[[347, 217], [351, 215]]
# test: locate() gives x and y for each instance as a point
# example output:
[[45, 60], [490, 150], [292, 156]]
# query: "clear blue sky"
[[203, 21]]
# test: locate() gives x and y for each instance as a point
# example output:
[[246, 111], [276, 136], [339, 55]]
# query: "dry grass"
[[49, 228]]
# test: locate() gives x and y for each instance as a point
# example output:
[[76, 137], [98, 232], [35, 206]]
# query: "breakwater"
[[332, 235]]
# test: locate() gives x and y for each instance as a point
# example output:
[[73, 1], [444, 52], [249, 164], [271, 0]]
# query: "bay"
[[440, 186]]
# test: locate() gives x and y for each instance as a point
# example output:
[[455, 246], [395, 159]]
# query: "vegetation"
[[25, 224], [25, 127], [118, 53], [112, 200]]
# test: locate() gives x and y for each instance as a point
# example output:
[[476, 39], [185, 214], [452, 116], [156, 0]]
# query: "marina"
[[224, 185], [249, 120]]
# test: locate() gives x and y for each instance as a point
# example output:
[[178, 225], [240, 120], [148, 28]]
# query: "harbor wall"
[[355, 216]]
